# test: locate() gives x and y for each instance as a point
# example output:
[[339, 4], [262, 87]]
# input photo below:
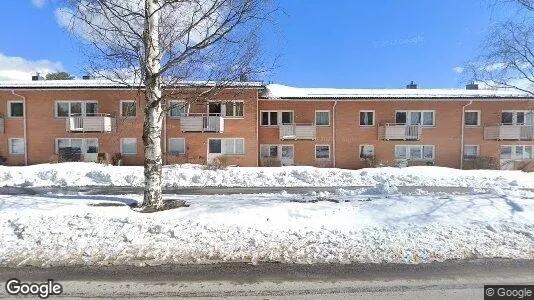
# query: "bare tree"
[[506, 58], [168, 48]]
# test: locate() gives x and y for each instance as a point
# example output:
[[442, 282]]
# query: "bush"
[[482, 162], [116, 159], [271, 162], [218, 163]]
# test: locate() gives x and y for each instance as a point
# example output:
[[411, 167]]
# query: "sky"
[[318, 43]]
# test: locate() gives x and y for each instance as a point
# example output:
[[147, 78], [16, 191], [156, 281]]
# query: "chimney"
[[412, 86], [36, 77], [86, 77], [471, 86]]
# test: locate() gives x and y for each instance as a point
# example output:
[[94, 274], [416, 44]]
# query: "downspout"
[[24, 125], [334, 133], [165, 138], [462, 136], [258, 130]]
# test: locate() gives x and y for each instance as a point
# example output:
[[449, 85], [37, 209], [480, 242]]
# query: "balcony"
[[92, 123], [392, 131], [202, 123], [509, 132], [297, 132]]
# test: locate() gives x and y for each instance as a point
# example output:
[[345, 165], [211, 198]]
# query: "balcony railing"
[[393, 131], [202, 123], [297, 132], [90, 123], [509, 132], [2, 124]]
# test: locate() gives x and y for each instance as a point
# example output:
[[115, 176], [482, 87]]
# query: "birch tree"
[[506, 58], [191, 48]]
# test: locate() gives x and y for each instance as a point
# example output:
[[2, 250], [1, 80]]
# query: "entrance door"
[[287, 155]]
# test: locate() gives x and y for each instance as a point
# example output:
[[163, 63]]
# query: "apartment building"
[[249, 123]]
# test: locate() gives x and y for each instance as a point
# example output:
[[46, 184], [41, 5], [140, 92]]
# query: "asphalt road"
[[448, 280]]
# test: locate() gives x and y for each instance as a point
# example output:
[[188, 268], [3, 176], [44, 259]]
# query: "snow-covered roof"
[[103, 84], [278, 91]]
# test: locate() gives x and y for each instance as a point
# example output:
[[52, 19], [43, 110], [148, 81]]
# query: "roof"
[[278, 91], [105, 84]]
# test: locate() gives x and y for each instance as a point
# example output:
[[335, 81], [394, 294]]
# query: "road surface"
[[449, 280]]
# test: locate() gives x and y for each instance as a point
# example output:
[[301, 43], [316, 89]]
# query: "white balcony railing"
[[92, 123], [297, 132], [509, 132], [202, 123], [392, 131]]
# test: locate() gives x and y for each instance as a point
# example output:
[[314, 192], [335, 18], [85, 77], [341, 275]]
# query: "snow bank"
[[92, 174], [363, 227]]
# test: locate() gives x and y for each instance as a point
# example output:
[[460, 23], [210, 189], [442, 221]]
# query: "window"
[[519, 152], [128, 108], [472, 118], [227, 146], [16, 146], [367, 151], [129, 146], [177, 109], [76, 108], [277, 151], [517, 117], [268, 151], [78, 145], [322, 152], [274, 118], [470, 151], [415, 117], [367, 118], [322, 117], [234, 109], [15, 109], [177, 146], [414, 152]]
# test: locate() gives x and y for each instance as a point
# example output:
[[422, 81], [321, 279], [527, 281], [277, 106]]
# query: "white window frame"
[[84, 143], [126, 101], [478, 118], [223, 146], [514, 116], [408, 155], [9, 109], [329, 152], [83, 102], [360, 118], [321, 111], [177, 153], [360, 151], [278, 150], [173, 103], [10, 145], [122, 148], [513, 153], [278, 116], [409, 116], [477, 152], [234, 109]]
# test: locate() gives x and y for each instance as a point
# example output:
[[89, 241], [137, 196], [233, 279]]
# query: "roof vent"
[[412, 86], [471, 86], [86, 77]]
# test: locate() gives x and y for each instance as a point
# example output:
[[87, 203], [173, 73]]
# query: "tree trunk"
[[153, 112]]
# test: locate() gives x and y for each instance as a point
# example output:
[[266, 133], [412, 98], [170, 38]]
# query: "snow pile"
[[92, 174], [56, 230]]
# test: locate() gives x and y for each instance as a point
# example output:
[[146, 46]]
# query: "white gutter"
[[334, 133], [24, 125], [462, 136]]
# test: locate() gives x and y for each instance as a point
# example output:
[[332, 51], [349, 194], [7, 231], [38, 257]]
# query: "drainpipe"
[[165, 137], [24, 125], [462, 136], [334, 133]]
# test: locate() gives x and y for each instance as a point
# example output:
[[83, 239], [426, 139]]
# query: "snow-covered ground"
[[372, 224], [92, 174]]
